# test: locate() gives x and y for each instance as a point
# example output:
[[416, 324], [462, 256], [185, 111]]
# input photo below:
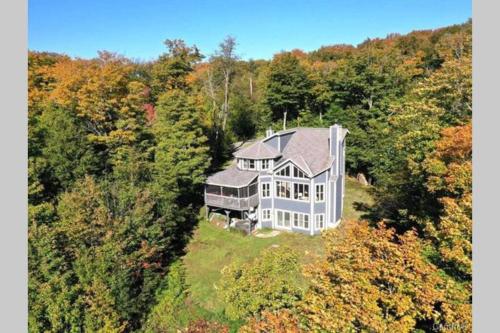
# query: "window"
[[285, 172], [266, 190], [265, 164], [283, 189], [245, 164], [251, 164], [266, 214], [301, 191], [297, 173], [301, 220], [282, 219], [320, 192], [319, 221]]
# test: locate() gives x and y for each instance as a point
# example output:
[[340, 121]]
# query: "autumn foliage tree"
[[371, 280], [450, 178], [282, 321], [252, 287], [119, 151]]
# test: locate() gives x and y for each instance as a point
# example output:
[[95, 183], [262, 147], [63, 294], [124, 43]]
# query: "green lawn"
[[212, 248], [355, 194]]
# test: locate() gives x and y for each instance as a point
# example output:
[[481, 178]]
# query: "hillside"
[[119, 152]]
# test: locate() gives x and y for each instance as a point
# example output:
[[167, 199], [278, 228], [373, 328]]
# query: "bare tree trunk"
[[370, 102], [284, 120], [251, 87], [225, 107], [211, 93]]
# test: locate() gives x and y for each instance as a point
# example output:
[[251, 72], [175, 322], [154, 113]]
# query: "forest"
[[119, 150]]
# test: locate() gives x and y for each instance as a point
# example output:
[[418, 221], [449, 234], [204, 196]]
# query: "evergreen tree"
[[67, 150], [181, 152]]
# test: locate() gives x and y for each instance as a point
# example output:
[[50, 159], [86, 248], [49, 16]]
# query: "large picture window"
[[301, 191], [320, 192], [283, 189], [266, 190]]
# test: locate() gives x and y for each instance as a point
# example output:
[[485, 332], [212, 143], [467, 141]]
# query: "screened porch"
[[237, 198]]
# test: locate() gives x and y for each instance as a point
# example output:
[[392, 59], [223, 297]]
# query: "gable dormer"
[[257, 157]]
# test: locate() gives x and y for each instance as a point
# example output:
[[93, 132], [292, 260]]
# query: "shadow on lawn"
[[369, 212]]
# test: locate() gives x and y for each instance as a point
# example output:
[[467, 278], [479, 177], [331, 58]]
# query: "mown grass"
[[212, 248], [356, 198]]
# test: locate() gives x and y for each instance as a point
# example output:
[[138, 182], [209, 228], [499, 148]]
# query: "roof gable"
[[308, 148], [287, 162]]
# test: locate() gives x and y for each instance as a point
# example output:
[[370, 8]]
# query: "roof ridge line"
[[307, 164]]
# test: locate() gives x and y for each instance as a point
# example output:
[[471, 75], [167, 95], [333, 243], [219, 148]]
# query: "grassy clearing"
[[212, 248], [356, 195]]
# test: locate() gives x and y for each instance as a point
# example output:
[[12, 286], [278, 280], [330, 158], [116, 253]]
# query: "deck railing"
[[231, 202]]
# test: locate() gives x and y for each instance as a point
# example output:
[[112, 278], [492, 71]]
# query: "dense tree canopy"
[[261, 285], [119, 150], [375, 280]]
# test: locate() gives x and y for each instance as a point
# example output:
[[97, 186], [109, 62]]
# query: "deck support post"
[[227, 218]]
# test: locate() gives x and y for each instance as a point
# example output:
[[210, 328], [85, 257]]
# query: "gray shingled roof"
[[308, 148], [232, 177], [258, 150]]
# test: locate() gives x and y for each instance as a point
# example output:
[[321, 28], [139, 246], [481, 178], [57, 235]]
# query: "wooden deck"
[[232, 203]]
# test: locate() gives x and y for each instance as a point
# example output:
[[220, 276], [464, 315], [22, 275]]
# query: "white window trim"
[[287, 165], [263, 214], [298, 170], [245, 163], [262, 165], [292, 167], [254, 164], [283, 227], [316, 221], [303, 220], [309, 192], [268, 184], [316, 192], [292, 191], [290, 187]]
